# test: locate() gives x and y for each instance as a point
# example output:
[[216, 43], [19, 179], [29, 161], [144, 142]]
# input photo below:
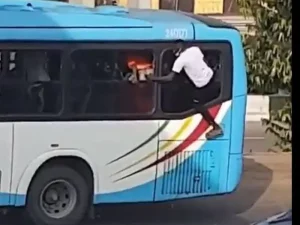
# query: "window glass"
[[30, 82], [99, 82]]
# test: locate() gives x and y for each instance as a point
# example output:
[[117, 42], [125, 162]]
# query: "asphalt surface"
[[256, 139], [265, 190]]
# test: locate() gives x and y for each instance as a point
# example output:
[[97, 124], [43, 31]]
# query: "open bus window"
[[99, 82], [30, 82], [177, 95]]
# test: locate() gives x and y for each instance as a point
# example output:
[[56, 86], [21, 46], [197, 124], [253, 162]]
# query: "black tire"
[[42, 179]]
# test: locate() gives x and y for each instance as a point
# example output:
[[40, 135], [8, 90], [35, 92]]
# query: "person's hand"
[[133, 79]]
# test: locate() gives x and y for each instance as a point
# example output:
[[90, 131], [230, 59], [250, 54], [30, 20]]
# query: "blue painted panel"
[[7, 199], [4, 199], [200, 174], [95, 34], [53, 19], [235, 171], [238, 124], [55, 14]]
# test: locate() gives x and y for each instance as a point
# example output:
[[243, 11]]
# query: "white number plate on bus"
[[176, 33]]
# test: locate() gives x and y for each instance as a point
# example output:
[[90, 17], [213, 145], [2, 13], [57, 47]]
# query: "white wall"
[[144, 4], [257, 107], [90, 3]]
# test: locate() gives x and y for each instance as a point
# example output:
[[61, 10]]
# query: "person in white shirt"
[[200, 74]]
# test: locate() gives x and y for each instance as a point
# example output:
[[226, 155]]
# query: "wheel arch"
[[39, 162]]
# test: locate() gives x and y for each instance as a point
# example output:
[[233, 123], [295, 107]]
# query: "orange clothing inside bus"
[[139, 62], [142, 93]]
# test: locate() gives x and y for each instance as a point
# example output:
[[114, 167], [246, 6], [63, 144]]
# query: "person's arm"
[[177, 67], [166, 78], [133, 78]]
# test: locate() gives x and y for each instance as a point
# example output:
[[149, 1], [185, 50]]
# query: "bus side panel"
[[194, 172], [116, 148], [234, 172], [239, 66], [238, 124], [237, 143], [238, 113], [159, 32], [189, 166], [6, 140]]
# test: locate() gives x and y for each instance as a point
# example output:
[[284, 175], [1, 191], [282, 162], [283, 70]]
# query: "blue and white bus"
[[85, 135]]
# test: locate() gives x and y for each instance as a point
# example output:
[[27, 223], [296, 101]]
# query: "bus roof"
[[52, 14]]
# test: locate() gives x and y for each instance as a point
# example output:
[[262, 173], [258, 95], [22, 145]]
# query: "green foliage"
[[268, 48], [280, 125], [268, 44]]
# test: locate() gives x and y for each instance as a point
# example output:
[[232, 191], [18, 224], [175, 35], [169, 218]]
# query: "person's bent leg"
[[216, 128]]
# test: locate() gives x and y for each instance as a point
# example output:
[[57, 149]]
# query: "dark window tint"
[[98, 82], [30, 82], [176, 97]]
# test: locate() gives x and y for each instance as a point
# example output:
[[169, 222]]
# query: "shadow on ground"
[[218, 210]]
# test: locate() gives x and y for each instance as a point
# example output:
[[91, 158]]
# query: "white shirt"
[[191, 60]]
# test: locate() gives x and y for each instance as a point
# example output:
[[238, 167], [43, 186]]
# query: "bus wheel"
[[58, 195]]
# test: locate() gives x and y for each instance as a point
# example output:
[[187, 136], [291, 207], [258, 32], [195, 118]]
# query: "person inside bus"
[[140, 65], [191, 59], [36, 73]]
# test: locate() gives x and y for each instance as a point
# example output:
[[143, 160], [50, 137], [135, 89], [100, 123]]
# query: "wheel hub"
[[58, 199], [51, 196]]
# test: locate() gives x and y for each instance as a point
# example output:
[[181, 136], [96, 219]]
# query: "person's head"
[[179, 47]]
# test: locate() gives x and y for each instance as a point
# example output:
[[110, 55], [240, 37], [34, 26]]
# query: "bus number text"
[[176, 33]]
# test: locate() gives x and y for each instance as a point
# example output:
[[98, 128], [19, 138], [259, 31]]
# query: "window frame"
[[226, 84], [67, 48], [13, 46], [118, 46]]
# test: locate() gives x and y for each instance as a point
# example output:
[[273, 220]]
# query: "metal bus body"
[[148, 157]]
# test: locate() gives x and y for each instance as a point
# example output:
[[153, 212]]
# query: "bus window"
[[176, 96], [106, 89], [30, 82]]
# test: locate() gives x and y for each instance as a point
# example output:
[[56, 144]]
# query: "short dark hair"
[[179, 41]]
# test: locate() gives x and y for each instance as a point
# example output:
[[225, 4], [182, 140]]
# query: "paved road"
[[264, 190], [256, 140]]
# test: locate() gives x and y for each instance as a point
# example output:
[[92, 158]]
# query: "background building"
[[226, 10], [213, 7]]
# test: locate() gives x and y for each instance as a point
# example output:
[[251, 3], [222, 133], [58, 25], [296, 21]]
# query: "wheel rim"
[[58, 199]]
